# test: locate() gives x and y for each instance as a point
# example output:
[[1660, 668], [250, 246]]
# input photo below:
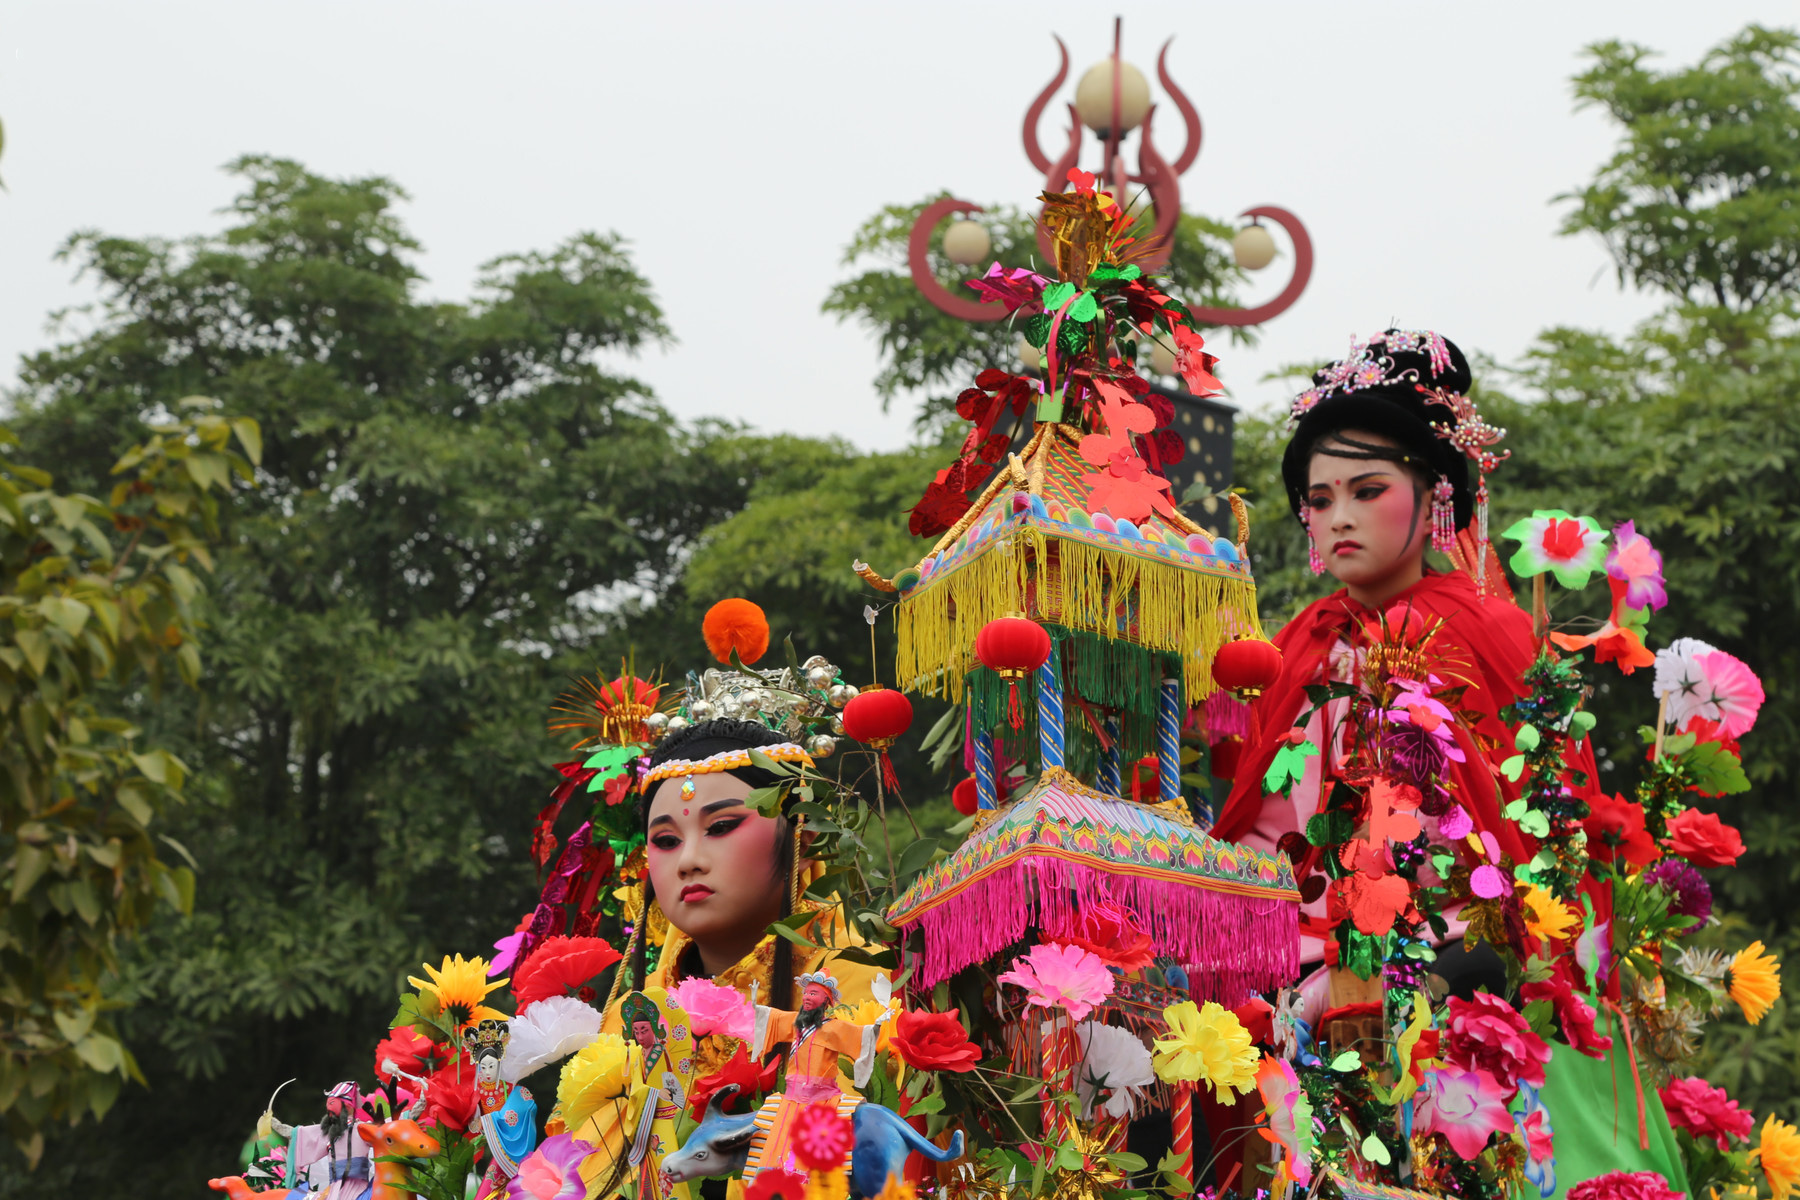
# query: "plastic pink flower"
[[1706, 1111], [1626, 1185], [1290, 1115], [1066, 977], [1484, 1033], [1464, 1106], [1571, 548], [1702, 681], [822, 1139], [552, 1172], [714, 1008], [1638, 565]]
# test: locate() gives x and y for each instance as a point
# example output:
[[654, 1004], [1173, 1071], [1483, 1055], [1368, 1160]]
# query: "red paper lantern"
[[1225, 758], [877, 718], [1246, 666], [1013, 647], [965, 797]]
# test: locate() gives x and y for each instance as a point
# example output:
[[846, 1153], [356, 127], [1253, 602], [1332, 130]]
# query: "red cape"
[[1485, 642]]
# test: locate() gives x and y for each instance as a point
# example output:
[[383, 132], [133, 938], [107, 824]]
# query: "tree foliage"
[[1699, 199], [98, 601], [459, 507]]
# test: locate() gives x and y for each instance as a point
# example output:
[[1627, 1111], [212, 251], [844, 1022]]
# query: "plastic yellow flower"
[[1207, 1045], [871, 1011], [1547, 917], [595, 1075], [1779, 1156], [1754, 981], [459, 987]]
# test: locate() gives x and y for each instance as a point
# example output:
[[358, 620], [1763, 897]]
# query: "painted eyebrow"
[[1354, 479], [706, 811]]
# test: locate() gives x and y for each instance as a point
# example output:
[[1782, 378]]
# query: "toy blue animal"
[[720, 1145]]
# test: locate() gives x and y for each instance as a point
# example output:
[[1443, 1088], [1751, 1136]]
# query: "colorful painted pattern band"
[[725, 760], [1228, 914]]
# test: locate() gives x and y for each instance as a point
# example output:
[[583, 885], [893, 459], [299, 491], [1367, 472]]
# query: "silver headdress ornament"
[[800, 702]]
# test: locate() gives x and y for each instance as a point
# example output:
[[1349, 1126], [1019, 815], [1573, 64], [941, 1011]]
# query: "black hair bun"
[[1387, 385]]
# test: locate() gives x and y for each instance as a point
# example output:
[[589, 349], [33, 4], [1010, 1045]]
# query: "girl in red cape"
[[1377, 471]]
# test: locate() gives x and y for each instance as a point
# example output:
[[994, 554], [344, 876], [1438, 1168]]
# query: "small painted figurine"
[[506, 1113], [815, 1039]]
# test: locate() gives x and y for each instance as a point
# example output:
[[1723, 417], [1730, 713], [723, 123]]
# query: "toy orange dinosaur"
[[402, 1137]]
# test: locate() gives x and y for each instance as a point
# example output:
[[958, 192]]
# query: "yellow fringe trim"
[[1184, 612]]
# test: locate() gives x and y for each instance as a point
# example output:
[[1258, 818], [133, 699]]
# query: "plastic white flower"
[[1701, 681], [549, 1031], [1116, 1059]]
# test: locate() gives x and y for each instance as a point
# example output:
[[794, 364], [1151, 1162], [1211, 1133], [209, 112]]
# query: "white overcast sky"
[[738, 146]]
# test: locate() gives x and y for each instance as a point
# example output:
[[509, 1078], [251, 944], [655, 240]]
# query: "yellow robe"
[[607, 1128]]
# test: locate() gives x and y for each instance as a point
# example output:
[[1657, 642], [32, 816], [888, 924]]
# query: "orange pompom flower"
[[736, 624]]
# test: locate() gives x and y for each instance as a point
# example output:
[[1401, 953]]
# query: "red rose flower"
[[1706, 1112], [739, 1070], [1485, 1033], [1110, 933], [449, 1100], [1615, 829], [932, 1041], [1703, 839]]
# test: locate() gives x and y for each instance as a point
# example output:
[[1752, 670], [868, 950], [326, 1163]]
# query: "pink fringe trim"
[[1224, 717], [1232, 946]]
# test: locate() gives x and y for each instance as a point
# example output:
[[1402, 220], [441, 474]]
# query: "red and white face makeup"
[[712, 863], [816, 995], [1370, 519]]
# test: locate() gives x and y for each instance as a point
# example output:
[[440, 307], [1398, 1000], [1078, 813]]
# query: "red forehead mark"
[[684, 812]]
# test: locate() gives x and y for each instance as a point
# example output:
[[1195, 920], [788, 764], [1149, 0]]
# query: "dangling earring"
[[1312, 548], [1443, 516]]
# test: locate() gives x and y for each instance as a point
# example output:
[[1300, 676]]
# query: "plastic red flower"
[[1465, 1107], [449, 1098], [822, 1139], [1703, 839], [1624, 1185], [1573, 1013], [1485, 1033], [404, 1050], [1706, 1111], [933, 1041], [561, 966], [1615, 830], [771, 1184], [1194, 364], [1109, 932], [740, 1071]]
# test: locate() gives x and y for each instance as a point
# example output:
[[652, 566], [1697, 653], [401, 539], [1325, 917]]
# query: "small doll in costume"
[[329, 1156], [506, 1113], [812, 1040], [662, 1064]]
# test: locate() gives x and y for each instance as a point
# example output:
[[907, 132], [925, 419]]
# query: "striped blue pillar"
[[1108, 781], [1168, 740], [1050, 715], [986, 788]]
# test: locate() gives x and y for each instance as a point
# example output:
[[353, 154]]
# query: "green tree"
[[459, 507], [1698, 201], [98, 600]]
